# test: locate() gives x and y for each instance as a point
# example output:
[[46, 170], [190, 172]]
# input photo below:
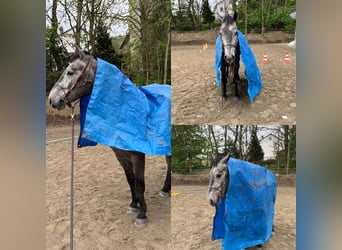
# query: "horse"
[[230, 55], [77, 81], [219, 181]]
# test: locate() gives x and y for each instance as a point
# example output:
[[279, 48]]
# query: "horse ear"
[[235, 16], [80, 53], [226, 158], [220, 18]]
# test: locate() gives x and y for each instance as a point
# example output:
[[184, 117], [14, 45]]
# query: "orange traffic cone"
[[265, 60], [287, 58]]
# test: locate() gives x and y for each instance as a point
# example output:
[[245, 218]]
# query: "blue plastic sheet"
[[122, 115], [244, 218], [252, 72]]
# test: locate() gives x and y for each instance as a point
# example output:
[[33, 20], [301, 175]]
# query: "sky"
[[266, 143], [117, 29]]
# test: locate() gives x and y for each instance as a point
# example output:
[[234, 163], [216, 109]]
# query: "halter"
[[229, 45], [213, 188], [82, 79]]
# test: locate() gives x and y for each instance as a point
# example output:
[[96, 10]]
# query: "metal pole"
[[72, 182]]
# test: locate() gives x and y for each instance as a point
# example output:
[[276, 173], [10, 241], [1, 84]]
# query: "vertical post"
[[72, 181]]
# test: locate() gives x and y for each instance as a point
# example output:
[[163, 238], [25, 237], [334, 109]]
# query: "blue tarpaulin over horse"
[[244, 218], [252, 72], [122, 115]]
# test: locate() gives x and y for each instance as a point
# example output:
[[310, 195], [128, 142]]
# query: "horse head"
[[76, 81], [219, 178], [229, 37]]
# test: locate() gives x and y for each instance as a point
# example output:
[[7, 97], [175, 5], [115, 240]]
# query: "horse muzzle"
[[214, 198], [229, 59], [57, 103]]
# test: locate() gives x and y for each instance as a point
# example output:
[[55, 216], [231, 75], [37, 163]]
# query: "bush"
[[205, 26]]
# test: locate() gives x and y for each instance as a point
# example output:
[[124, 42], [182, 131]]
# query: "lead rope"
[[72, 180]]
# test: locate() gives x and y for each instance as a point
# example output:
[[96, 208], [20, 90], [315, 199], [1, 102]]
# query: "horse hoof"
[[164, 194], [132, 210], [140, 222], [236, 98], [223, 98]]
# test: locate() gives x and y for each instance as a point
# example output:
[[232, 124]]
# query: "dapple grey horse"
[[230, 55], [76, 81], [219, 181]]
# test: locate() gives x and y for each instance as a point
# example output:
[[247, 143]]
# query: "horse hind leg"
[[166, 190]]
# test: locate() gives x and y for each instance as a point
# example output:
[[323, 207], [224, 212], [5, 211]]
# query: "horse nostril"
[[211, 202]]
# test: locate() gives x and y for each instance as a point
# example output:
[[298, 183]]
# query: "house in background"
[[267, 144]]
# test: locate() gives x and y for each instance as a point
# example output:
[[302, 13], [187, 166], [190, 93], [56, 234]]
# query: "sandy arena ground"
[[192, 219], [196, 97], [101, 199], [102, 196]]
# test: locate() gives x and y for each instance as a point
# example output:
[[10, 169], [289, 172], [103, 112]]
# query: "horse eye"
[[70, 73]]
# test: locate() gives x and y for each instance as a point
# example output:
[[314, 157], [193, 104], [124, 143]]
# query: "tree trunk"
[[225, 133], [190, 162], [268, 10], [262, 18], [54, 21], [78, 24], [240, 141], [246, 17], [167, 52], [91, 13], [191, 13], [209, 140], [54, 36], [211, 130]]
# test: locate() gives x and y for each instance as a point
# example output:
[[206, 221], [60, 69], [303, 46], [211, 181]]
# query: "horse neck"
[[91, 69]]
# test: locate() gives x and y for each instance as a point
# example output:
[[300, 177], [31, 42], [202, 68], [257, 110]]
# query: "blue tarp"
[[252, 72], [122, 115], [244, 218]]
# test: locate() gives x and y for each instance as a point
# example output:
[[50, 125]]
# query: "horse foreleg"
[[237, 95], [134, 206], [138, 161], [224, 79], [236, 70], [127, 166], [167, 184]]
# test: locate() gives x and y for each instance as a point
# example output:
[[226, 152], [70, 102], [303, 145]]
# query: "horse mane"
[[228, 19], [76, 55], [220, 156], [217, 159]]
